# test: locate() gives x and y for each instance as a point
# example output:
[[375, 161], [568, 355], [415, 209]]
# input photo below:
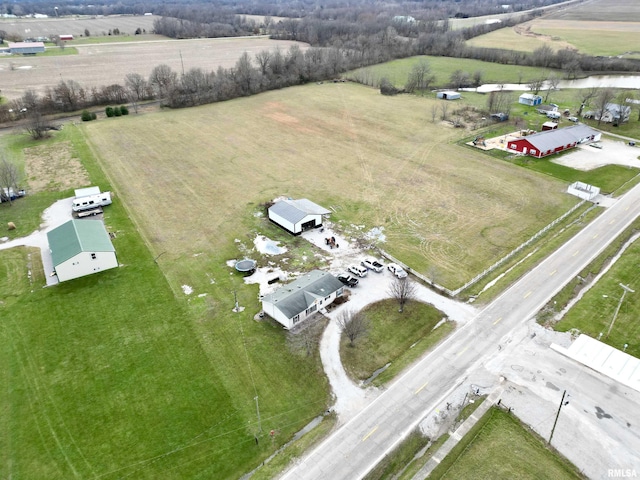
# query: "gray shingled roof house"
[[298, 300], [296, 216]]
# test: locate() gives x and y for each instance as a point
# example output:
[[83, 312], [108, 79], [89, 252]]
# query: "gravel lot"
[[106, 64], [613, 152]]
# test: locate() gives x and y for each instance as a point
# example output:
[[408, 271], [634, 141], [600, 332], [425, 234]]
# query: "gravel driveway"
[[54, 216]]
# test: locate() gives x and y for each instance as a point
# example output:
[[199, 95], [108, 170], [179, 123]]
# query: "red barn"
[[66, 37], [553, 141]]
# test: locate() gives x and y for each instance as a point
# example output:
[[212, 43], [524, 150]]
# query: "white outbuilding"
[[448, 95], [302, 298], [79, 248], [296, 216]]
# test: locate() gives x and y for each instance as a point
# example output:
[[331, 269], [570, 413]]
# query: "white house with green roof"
[[79, 248], [297, 301]]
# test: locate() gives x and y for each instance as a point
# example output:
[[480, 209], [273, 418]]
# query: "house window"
[[296, 319], [93, 256], [311, 309], [326, 299]]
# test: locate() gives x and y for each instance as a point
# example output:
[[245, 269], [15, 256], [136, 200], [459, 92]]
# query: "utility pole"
[[615, 315], [562, 402], [258, 411], [181, 61]]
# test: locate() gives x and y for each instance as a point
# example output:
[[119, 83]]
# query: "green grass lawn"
[[499, 446], [591, 40], [398, 338], [594, 312], [114, 376], [397, 71], [55, 51]]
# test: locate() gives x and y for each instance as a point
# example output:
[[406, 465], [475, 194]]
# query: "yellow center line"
[[612, 221], [553, 273], [370, 433], [498, 320], [463, 350], [575, 253], [528, 293], [596, 235], [418, 390]]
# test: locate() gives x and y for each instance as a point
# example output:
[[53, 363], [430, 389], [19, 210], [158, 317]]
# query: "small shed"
[[65, 38], [302, 298], [530, 99], [296, 216], [79, 248], [549, 126], [448, 95], [26, 48]]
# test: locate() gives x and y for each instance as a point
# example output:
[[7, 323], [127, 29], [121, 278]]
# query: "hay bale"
[[11, 226]]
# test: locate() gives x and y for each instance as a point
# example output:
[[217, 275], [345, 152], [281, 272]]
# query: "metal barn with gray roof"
[[552, 141], [297, 301], [296, 216], [79, 248]]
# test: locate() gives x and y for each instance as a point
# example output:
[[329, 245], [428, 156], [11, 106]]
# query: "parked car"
[[348, 280], [397, 270], [357, 270], [372, 264]]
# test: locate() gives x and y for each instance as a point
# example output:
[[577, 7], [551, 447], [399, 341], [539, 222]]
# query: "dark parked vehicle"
[[348, 280]]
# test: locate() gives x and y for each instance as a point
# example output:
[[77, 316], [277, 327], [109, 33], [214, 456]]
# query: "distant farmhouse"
[[299, 300], [79, 248], [530, 99], [26, 48], [552, 141], [296, 216], [613, 113]]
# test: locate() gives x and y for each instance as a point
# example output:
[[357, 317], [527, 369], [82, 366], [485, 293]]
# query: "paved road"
[[358, 445]]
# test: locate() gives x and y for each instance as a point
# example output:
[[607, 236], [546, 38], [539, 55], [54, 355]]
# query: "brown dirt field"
[[51, 167], [42, 27], [105, 64]]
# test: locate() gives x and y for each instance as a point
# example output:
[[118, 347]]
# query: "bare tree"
[[552, 84], [163, 79], [36, 125], [459, 79], [9, 177], [477, 78], [403, 291], [585, 96], [136, 85], [420, 77], [536, 84], [603, 99], [353, 324], [444, 108]]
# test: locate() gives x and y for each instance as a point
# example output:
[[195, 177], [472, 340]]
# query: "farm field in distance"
[[106, 64], [447, 211], [76, 25]]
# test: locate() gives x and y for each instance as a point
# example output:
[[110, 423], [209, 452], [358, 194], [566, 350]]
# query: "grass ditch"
[[594, 312], [523, 262], [393, 337], [500, 446]]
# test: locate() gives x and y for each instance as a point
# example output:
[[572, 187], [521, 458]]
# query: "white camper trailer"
[[91, 201]]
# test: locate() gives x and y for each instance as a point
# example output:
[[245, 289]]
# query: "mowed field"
[[106, 64], [595, 27], [190, 176], [97, 25]]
